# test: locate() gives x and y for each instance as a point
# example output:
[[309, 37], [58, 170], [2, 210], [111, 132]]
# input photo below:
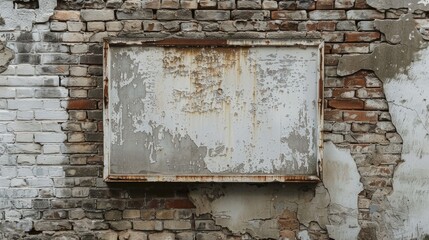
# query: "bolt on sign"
[[191, 110]]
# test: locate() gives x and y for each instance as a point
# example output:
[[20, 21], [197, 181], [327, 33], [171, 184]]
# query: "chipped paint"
[[257, 209], [402, 213], [202, 111]]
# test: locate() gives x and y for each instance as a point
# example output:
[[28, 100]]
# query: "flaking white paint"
[[342, 180], [408, 97], [253, 109]]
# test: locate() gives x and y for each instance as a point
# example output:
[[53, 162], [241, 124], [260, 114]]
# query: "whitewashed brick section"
[[50, 115], [6, 115], [47, 81], [49, 137]]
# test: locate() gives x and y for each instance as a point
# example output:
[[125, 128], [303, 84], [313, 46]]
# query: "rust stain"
[[210, 178], [106, 92]]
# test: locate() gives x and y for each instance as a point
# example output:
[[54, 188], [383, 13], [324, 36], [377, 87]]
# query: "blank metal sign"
[[212, 110]]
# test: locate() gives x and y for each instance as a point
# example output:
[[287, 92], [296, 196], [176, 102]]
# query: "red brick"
[[357, 80], [348, 104], [325, 4], [361, 4], [362, 36], [289, 26], [350, 48], [343, 93], [326, 25], [333, 115], [179, 203], [360, 116], [78, 104]]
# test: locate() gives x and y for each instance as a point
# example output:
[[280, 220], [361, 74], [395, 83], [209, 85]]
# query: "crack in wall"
[[398, 212]]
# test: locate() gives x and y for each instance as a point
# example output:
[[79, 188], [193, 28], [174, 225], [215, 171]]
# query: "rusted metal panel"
[[213, 110]]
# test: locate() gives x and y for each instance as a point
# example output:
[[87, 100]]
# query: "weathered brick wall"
[[51, 134]]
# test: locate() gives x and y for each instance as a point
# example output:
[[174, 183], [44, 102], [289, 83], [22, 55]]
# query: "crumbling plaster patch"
[[403, 67], [23, 19], [396, 4], [255, 209]]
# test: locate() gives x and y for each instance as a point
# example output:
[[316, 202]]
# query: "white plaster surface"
[[342, 179], [408, 96], [23, 19]]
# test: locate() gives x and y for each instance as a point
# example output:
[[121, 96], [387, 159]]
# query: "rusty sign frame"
[[176, 42]]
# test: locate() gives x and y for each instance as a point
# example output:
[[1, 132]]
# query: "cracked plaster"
[[23, 19], [403, 70], [255, 209]]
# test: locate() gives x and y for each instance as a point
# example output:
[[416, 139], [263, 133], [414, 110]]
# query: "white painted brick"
[[22, 193], [25, 115], [51, 127], [49, 137], [52, 159], [18, 182], [7, 92], [75, 26], [25, 104], [25, 70], [24, 148], [40, 171], [78, 93], [11, 70], [97, 15], [29, 81], [95, 26], [3, 127], [58, 26], [79, 48], [78, 71], [24, 137], [56, 172], [51, 104], [25, 92], [12, 215], [3, 103], [50, 115], [5, 182], [73, 37], [8, 171], [7, 138], [25, 171], [78, 82], [49, 92], [6, 115], [40, 182], [51, 148], [24, 127], [26, 159]]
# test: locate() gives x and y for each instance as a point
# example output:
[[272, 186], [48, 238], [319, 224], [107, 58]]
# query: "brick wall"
[[51, 134]]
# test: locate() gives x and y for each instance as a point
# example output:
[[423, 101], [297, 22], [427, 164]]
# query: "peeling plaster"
[[404, 212], [396, 4], [255, 209], [23, 19]]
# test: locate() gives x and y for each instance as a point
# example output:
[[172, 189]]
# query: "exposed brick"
[[360, 116], [78, 104], [66, 15], [346, 104], [362, 36]]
